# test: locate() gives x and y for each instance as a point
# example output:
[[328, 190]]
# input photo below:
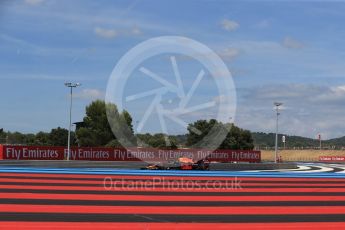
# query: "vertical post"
[[277, 104], [276, 143], [70, 125], [320, 141], [71, 86]]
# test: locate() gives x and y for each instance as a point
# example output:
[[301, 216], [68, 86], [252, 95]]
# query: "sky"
[[287, 51]]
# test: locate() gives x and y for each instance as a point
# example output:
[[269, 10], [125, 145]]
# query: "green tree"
[[198, 130], [3, 136], [97, 131], [59, 137], [42, 138], [114, 144], [86, 137], [30, 139], [15, 138], [236, 138], [128, 120], [159, 140]]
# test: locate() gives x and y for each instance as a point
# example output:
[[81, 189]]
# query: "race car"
[[182, 163]]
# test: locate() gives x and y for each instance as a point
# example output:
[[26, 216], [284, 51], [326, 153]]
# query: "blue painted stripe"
[[97, 171]]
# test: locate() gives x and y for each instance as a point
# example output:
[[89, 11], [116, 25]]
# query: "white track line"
[[300, 167], [321, 170]]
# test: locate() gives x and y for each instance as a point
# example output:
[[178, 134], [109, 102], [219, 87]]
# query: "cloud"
[[136, 31], [229, 53], [310, 109], [333, 94], [229, 25], [289, 91], [34, 2], [292, 43], [89, 94], [105, 33], [112, 33], [301, 94], [220, 99]]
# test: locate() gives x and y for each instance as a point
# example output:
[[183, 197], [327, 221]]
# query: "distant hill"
[[337, 141], [267, 140]]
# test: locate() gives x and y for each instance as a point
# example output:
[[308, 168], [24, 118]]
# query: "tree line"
[[56, 137], [95, 130]]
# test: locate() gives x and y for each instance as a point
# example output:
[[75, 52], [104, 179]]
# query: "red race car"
[[182, 163]]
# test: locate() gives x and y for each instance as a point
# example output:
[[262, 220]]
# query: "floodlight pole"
[[71, 86], [277, 104]]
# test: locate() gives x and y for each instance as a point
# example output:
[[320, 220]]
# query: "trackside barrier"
[[10, 152]]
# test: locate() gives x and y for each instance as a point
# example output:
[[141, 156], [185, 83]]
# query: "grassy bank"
[[300, 155]]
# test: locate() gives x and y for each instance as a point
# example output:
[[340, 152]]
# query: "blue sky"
[[290, 51]]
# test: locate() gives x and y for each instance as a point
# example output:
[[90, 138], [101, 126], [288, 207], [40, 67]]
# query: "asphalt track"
[[310, 197]]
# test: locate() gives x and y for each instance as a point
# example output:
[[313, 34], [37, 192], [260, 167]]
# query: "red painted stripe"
[[25, 180], [166, 182], [173, 189], [170, 226], [165, 198], [178, 210], [138, 177]]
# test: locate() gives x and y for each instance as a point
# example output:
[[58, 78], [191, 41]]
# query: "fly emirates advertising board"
[[9, 152]]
